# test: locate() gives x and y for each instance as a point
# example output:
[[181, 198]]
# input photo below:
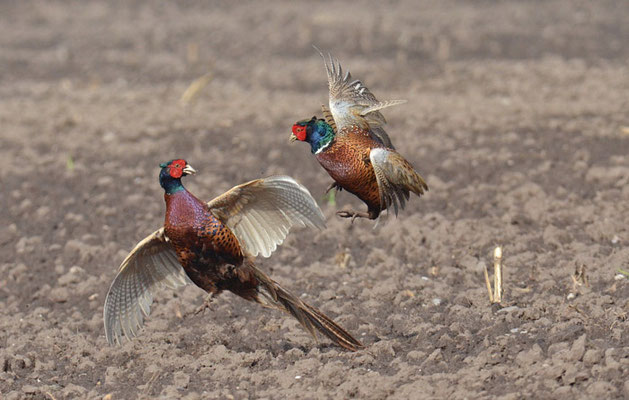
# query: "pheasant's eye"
[[178, 163]]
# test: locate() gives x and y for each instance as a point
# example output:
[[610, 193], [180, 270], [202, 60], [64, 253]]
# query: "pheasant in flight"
[[351, 144]]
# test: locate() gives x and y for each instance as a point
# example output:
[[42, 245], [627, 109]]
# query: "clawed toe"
[[344, 214], [333, 185], [207, 303], [353, 214]]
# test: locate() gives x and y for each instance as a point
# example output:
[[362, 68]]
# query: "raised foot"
[[353, 215], [206, 304]]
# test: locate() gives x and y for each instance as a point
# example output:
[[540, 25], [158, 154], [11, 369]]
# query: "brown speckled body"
[[347, 161], [207, 249]]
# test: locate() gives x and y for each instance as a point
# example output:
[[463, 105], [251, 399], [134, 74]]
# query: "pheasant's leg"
[[206, 304], [333, 185], [354, 214]]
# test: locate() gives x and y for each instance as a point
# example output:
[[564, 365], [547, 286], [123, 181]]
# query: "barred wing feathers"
[[151, 265], [262, 211]]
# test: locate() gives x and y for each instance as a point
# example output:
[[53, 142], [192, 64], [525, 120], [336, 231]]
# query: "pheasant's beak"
[[188, 170], [292, 138]]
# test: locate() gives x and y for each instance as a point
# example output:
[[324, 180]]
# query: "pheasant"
[[351, 144], [213, 245]]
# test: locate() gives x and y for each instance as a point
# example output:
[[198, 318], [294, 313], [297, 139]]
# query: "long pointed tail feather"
[[271, 294]]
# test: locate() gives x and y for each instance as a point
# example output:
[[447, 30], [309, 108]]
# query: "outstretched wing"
[[152, 264], [352, 103], [261, 212], [396, 178], [377, 132]]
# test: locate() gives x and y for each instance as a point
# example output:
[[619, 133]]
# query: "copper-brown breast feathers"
[[347, 162]]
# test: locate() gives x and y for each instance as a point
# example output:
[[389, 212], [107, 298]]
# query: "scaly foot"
[[206, 304], [353, 215]]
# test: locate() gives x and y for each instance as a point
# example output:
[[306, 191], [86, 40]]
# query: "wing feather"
[[261, 212], [352, 103], [396, 178], [265, 234], [152, 264]]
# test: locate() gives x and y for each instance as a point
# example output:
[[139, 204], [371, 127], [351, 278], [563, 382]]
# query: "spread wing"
[[377, 132], [396, 178], [152, 264], [352, 103], [261, 212]]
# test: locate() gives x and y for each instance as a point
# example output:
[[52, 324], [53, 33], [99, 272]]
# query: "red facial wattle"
[[176, 168], [300, 132]]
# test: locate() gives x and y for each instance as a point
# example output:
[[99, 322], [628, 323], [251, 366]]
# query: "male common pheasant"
[[213, 245], [352, 145]]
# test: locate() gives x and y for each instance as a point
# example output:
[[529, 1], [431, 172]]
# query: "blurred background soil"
[[516, 116]]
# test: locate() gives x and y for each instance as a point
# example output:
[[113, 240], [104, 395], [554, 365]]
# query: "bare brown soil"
[[517, 118]]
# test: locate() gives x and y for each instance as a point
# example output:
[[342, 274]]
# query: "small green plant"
[[69, 163], [330, 197]]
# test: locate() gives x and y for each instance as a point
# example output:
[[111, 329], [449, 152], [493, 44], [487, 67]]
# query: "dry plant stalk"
[[342, 258], [192, 53], [498, 274], [496, 295], [195, 87], [491, 295], [579, 278]]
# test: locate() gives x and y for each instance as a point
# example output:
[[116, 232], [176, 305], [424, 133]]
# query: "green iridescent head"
[[315, 131]]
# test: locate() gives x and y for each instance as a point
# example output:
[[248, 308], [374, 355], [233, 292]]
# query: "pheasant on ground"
[[213, 245], [351, 144]]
